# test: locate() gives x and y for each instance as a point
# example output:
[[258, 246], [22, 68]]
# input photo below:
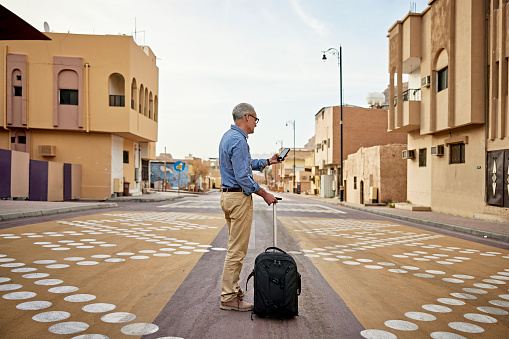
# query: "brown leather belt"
[[225, 190]]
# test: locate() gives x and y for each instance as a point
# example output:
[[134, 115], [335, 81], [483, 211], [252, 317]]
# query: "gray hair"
[[242, 110]]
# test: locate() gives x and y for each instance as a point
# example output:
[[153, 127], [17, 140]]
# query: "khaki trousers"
[[238, 212]]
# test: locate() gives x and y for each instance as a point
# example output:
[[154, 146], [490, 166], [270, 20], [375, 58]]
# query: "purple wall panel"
[[67, 181], [5, 173], [38, 180]]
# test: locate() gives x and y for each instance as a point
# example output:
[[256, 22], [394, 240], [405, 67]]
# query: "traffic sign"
[[179, 166]]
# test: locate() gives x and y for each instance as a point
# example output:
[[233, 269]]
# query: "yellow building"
[[455, 110], [82, 99]]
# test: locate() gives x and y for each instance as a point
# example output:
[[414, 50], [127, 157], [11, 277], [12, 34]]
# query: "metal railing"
[[117, 100], [410, 95]]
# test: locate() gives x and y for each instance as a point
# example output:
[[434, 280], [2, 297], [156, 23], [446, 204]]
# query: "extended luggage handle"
[[274, 214]]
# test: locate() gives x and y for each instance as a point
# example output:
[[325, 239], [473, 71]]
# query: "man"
[[236, 167]]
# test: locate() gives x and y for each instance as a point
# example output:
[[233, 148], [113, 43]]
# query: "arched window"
[[116, 86], [150, 106], [145, 103], [140, 105], [134, 94], [442, 71], [155, 108]]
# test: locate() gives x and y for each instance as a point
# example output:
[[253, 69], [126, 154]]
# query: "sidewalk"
[[12, 209], [488, 229]]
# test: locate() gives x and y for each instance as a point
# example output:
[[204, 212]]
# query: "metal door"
[[495, 178], [505, 178]]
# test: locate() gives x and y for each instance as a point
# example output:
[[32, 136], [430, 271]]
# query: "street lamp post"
[[294, 178], [334, 51]]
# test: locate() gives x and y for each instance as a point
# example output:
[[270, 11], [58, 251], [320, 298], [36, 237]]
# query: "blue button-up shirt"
[[235, 163]]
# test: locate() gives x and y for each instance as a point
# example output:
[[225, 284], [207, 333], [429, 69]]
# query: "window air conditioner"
[[437, 150], [47, 150], [408, 154], [425, 82]]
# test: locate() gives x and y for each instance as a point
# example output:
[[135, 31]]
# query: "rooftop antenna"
[[413, 7], [46, 27], [136, 33]]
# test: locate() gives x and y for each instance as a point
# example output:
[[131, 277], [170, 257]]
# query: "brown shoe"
[[236, 304]]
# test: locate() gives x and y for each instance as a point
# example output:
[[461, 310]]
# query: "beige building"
[[376, 174], [82, 99], [455, 110], [362, 127]]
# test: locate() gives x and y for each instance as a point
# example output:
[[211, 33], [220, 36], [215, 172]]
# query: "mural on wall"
[[172, 175]]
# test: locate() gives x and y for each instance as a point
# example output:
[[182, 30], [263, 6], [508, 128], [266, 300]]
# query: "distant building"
[[283, 173], [376, 174], [362, 127], [82, 99]]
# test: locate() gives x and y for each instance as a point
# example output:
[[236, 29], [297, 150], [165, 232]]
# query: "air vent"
[[437, 150], [47, 150], [425, 82], [408, 154]]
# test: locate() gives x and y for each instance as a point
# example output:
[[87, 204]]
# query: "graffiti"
[[172, 176]]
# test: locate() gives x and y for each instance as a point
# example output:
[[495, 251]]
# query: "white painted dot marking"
[[79, 298], [401, 325], [10, 287], [68, 327], [139, 329], [492, 310], [446, 335], [63, 289], [466, 327], [33, 305], [480, 318], [98, 308], [19, 295], [375, 334], [118, 317], [421, 316], [47, 317], [437, 308]]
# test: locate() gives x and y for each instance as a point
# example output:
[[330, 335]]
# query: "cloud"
[[308, 20]]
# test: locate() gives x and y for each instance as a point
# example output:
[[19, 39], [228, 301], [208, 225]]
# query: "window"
[[22, 139], [69, 97], [442, 79], [457, 154], [328, 143], [13, 140], [117, 100], [422, 157], [126, 157], [18, 77], [18, 91], [354, 183]]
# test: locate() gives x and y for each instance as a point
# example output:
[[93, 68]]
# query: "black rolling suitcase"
[[277, 283]]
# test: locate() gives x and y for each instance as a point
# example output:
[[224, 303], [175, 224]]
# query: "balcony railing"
[[409, 95], [117, 100]]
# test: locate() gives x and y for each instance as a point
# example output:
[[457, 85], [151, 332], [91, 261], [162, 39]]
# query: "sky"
[[214, 54]]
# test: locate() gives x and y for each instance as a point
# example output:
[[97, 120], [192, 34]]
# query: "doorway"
[[362, 192]]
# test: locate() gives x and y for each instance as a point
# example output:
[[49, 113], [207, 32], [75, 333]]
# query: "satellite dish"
[[46, 27]]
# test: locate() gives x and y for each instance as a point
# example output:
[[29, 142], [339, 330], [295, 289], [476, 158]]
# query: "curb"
[[58, 210]]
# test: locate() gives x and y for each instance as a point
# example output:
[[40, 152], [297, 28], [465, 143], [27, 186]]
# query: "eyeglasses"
[[256, 119]]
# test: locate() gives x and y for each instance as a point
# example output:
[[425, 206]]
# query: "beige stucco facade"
[[455, 110], [376, 174], [92, 99]]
